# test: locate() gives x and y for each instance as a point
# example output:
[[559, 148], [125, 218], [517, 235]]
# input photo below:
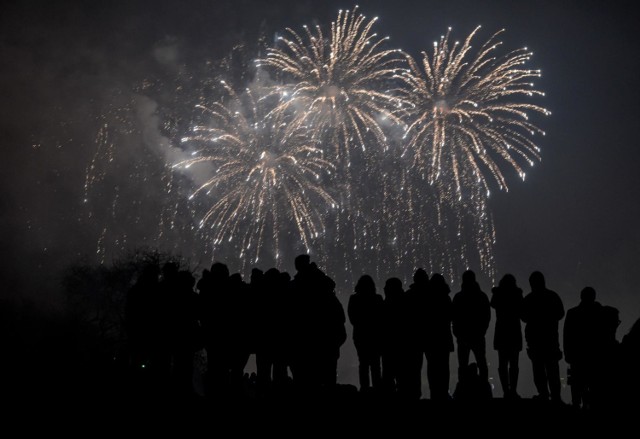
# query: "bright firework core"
[[440, 108], [269, 160], [330, 91]]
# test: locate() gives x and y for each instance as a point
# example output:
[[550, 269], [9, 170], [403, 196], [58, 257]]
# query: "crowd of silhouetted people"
[[295, 327]]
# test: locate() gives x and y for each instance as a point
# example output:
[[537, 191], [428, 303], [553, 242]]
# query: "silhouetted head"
[[186, 279], [508, 281], [302, 262], [219, 270], [169, 269], [393, 287], [439, 284], [420, 276], [365, 285], [588, 295], [285, 277], [204, 281], [149, 273], [536, 280], [256, 276], [272, 275], [468, 277]]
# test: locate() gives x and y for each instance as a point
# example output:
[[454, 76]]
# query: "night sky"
[[67, 66]]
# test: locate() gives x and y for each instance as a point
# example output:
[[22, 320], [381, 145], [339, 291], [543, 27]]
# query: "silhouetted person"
[[392, 335], [606, 385], [302, 286], [163, 315], [507, 301], [139, 319], [185, 337], [471, 317], [266, 329], [438, 341], [282, 321], [630, 367], [333, 331], [542, 310], [413, 328], [365, 314], [255, 291], [240, 324], [319, 323], [215, 312], [581, 335]]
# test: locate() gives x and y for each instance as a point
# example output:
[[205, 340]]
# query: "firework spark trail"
[[466, 117], [265, 176]]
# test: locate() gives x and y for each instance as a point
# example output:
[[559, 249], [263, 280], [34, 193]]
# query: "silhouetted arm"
[[568, 337], [352, 310], [525, 309], [559, 307], [495, 298], [486, 317]]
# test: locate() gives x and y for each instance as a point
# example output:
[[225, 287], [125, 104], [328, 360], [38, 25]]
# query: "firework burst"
[[338, 86], [264, 177], [467, 112], [467, 117]]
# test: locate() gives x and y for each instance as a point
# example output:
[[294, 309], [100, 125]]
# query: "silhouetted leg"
[[376, 374], [238, 362], [389, 372], [280, 371], [463, 357], [540, 377], [553, 375], [183, 372], [503, 372], [403, 368], [304, 371], [438, 375], [514, 372], [365, 362], [576, 385], [480, 352], [217, 375], [264, 364], [410, 383], [331, 370]]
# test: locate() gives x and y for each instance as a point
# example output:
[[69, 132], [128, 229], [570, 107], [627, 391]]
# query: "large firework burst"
[[466, 118], [467, 112], [265, 178], [338, 86]]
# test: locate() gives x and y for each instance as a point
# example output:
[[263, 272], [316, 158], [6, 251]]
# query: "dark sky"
[[66, 63]]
